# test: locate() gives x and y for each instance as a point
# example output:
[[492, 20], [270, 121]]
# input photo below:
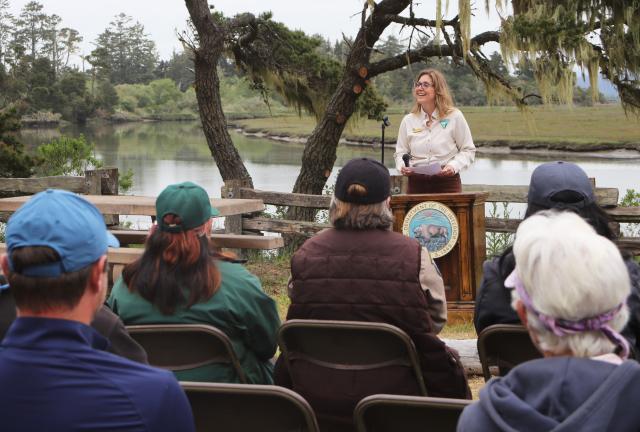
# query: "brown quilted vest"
[[373, 275]]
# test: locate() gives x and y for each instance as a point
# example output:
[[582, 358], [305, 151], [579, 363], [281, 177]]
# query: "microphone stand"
[[385, 123]]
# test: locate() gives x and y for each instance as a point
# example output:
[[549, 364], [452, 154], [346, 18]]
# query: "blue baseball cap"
[[65, 222]]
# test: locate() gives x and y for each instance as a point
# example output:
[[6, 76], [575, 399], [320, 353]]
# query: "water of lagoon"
[[163, 153]]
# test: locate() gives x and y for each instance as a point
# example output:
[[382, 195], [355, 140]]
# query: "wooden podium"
[[461, 268]]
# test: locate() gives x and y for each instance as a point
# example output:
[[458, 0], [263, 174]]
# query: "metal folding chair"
[[180, 347]]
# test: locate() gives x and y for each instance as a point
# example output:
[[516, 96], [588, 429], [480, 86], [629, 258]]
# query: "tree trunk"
[[214, 122], [320, 151], [207, 83]]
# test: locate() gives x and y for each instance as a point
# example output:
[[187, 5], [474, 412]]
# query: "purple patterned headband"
[[562, 327]]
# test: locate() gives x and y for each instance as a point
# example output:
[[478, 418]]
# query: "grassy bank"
[[581, 126]]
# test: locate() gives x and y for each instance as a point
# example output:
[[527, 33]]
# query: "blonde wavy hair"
[[444, 101]]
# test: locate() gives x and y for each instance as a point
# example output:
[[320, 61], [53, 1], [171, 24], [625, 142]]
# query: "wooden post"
[[93, 183], [109, 183], [103, 181], [233, 224]]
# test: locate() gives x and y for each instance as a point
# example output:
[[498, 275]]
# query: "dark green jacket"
[[239, 308]]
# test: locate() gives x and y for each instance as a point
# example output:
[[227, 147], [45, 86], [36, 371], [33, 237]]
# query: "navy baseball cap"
[[550, 178], [365, 172], [65, 222]]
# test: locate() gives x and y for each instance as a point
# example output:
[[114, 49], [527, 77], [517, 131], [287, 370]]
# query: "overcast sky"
[[161, 18]]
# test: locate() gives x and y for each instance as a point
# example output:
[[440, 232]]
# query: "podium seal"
[[434, 225]]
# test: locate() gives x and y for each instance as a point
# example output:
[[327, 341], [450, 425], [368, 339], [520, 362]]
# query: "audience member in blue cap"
[[561, 186], [54, 372], [181, 278]]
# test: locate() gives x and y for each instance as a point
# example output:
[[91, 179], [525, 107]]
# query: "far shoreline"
[[613, 151], [596, 150]]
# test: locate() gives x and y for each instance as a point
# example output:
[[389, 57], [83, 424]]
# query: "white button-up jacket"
[[446, 141]]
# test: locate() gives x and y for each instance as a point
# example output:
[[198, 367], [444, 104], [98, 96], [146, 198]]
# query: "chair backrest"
[[248, 408], [179, 347], [334, 364], [390, 413], [505, 346]]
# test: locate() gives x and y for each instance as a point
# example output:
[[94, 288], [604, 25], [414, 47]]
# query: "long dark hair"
[[564, 201], [174, 264]]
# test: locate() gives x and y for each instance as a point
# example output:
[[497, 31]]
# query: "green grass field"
[[557, 124]]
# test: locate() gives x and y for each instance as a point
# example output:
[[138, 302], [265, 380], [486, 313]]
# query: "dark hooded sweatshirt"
[[565, 394]]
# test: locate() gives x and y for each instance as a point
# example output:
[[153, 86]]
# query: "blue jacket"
[[560, 394], [54, 377]]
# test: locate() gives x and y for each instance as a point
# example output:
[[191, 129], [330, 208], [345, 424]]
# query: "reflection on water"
[[163, 153]]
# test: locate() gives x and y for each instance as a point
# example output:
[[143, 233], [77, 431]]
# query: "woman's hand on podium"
[[447, 171], [407, 171]]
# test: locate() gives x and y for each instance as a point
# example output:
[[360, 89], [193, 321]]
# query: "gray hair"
[[344, 215], [570, 272]]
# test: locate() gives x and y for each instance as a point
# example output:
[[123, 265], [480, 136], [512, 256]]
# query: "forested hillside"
[[46, 77]]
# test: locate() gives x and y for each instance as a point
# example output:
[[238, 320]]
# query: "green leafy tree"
[[124, 52], [106, 97], [51, 45], [395, 85], [69, 44], [6, 31], [180, 69], [41, 90], [74, 101], [164, 91], [14, 162], [30, 28], [59, 44]]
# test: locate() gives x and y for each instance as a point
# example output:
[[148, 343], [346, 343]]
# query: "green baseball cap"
[[188, 201]]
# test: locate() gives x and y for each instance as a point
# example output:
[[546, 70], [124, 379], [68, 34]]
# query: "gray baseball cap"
[[550, 178]]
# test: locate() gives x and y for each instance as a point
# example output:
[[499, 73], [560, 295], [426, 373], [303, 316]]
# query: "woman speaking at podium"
[[434, 141]]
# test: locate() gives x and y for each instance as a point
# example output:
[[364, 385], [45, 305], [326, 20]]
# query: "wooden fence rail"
[[101, 181], [101, 188], [606, 197], [28, 186]]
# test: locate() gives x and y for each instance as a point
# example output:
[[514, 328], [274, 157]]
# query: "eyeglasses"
[[425, 85]]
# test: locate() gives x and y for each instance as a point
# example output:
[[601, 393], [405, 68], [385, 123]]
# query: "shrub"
[[66, 156]]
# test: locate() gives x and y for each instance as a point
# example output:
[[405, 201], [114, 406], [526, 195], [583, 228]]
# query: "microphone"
[[385, 121], [406, 158]]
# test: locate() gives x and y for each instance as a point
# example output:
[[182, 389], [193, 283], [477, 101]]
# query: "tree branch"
[[416, 21], [524, 98], [413, 56], [485, 37]]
